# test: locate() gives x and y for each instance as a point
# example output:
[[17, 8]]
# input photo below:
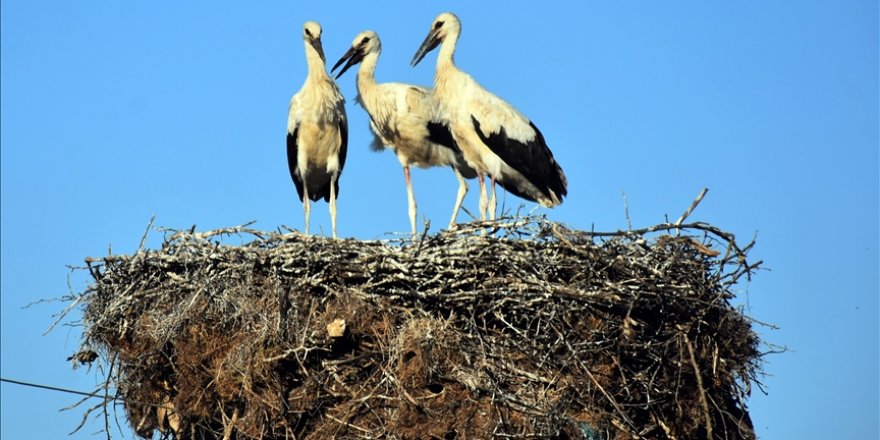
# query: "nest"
[[531, 330]]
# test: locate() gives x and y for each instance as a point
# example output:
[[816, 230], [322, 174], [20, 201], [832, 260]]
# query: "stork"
[[400, 118], [317, 131], [494, 137]]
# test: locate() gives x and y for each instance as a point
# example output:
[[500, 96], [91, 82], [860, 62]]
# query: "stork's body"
[[400, 118], [317, 131], [494, 137]]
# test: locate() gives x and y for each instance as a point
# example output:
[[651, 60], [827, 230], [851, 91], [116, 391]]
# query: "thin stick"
[[629, 224], [703, 402], [228, 429], [692, 207], [146, 232], [348, 424], [63, 314], [107, 397]]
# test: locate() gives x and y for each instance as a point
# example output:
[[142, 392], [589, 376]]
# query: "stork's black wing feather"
[[291, 161], [343, 146], [531, 158], [440, 134], [343, 151]]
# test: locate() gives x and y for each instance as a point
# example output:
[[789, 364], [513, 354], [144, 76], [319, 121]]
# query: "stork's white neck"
[[447, 50], [366, 81], [367, 70], [317, 69], [444, 83]]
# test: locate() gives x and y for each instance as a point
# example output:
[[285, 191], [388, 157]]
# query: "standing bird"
[[493, 136], [317, 131], [400, 117]]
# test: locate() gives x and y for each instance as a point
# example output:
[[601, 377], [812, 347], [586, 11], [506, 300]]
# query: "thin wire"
[[52, 388], [81, 393]]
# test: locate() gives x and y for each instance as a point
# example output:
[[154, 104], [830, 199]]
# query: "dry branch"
[[534, 330]]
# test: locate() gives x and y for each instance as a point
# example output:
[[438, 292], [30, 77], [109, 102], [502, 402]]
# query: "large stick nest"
[[532, 330]]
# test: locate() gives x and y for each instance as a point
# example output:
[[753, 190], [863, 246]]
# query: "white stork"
[[400, 117], [493, 136], [317, 131]]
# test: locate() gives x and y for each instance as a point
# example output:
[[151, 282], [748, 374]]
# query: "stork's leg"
[[411, 198], [492, 201], [333, 183], [483, 202], [306, 206], [462, 190]]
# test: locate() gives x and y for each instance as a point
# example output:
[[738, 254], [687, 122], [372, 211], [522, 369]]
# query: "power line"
[[80, 393], [53, 388]]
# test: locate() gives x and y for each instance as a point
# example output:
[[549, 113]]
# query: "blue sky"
[[115, 111]]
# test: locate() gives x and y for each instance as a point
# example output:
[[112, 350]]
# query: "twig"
[[227, 429], [348, 424], [703, 401], [76, 300], [692, 207], [107, 396], [146, 232]]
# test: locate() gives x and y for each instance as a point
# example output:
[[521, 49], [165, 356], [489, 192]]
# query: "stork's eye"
[[365, 40], [308, 32], [438, 24]]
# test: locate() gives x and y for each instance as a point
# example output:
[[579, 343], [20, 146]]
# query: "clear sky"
[[114, 111]]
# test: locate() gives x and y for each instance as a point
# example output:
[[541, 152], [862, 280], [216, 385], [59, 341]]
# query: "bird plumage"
[[494, 137], [317, 131], [401, 118]]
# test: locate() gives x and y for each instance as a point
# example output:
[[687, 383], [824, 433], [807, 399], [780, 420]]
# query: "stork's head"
[[364, 43], [444, 25], [312, 35]]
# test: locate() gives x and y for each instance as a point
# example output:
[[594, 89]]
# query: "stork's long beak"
[[316, 43], [354, 55], [431, 41]]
